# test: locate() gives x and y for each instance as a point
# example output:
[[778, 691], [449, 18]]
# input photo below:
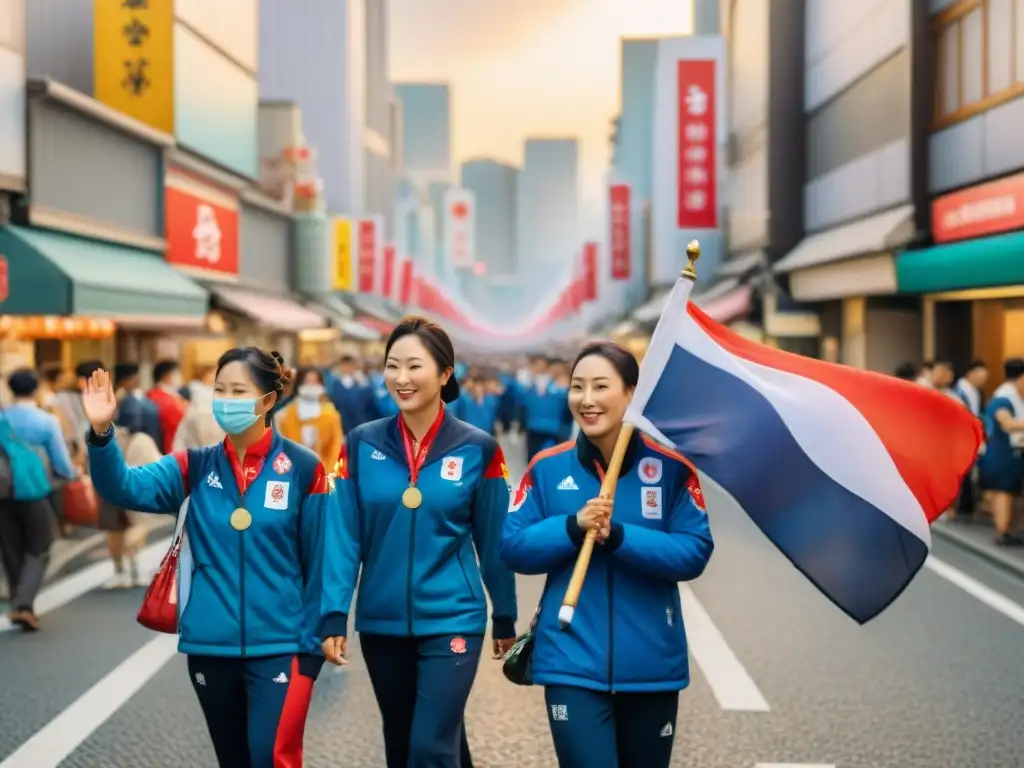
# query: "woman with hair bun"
[[249, 603], [422, 499]]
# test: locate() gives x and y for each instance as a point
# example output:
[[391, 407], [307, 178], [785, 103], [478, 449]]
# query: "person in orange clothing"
[[311, 420], [166, 396]]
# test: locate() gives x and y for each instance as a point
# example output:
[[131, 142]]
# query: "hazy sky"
[[527, 67]]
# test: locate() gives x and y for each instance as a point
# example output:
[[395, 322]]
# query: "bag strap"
[[179, 526]]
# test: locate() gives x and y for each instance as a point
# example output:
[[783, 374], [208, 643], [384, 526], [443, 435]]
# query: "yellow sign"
[[133, 59], [344, 267]]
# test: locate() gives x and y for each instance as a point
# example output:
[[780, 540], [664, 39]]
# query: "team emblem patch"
[[649, 470], [451, 468], [458, 645], [277, 496], [651, 500], [696, 493], [282, 464]]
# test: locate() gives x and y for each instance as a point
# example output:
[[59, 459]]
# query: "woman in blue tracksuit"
[[422, 496], [612, 679], [254, 526]]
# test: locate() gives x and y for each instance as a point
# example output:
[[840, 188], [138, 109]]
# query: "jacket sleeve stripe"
[[182, 458]]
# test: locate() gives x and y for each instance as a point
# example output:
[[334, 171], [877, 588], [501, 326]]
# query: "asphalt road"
[[780, 677]]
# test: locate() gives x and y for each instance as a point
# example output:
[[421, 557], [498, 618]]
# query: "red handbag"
[[81, 507], [159, 610]]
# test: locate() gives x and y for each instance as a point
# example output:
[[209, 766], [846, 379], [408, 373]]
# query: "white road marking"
[[52, 744], [733, 687], [990, 597], [62, 592]]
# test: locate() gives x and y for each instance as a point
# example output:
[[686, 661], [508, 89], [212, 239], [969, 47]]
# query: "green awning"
[[50, 273], [983, 263]]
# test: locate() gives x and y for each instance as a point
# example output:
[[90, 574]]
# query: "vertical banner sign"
[[342, 253], [590, 271], [387, 278], [460, 228], [367, 254], [133, 59], [696, 183], [405, 283], [619, 236]]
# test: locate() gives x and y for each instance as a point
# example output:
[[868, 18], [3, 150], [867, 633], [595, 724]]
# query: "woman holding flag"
[[618, 670]]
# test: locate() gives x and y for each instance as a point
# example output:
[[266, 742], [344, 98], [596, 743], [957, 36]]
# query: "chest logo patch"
[[650, 500], [282, 464], [649, 469], [451, 468], [277, 495]]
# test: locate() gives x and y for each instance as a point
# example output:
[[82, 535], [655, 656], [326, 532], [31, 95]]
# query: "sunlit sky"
[[523, 68]]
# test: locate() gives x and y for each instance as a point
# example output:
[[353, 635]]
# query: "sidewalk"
[[977, 538], [86, 546]]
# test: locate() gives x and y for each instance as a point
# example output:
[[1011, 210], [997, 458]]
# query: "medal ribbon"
[[416, 461]]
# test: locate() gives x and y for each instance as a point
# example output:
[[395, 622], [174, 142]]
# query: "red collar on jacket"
[[250, 467]]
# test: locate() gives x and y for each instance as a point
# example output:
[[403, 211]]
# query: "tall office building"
[[427, 140], [548, 232], [331, 60], [494, 185]]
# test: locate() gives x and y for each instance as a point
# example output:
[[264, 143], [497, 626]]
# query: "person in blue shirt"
[[250, 602], [546, 417], [352, 393], [612, 679], [1001, 467], [422, 498], [478, 404], [27, 524]]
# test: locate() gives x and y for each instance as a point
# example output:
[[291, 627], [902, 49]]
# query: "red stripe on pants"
[[292, 725]]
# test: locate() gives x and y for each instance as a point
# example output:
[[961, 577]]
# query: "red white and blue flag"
[[843, 469]]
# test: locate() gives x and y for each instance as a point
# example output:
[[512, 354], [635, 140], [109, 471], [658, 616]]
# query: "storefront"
[[972, 280], [84, 250], [238, 245], [848, 274]]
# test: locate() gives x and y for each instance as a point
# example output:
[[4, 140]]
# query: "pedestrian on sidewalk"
[[1001, 467], [199, 428], [421, 496], [33, 445], [612, 683], [254, 527]]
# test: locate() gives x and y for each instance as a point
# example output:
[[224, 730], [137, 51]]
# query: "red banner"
[[405, 281], [387, 278], [697, 181], [986, 209], [589, 277], [367, 255], [619, 237], [201, 234]]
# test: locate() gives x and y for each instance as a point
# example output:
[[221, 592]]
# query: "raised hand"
[[98, 401]]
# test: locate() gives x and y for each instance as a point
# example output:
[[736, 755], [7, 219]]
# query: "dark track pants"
[[27, 529], [605, 730], [255, 708], [421, 685]]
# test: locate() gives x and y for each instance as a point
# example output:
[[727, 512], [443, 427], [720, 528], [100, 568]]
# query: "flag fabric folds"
[[842, 469]]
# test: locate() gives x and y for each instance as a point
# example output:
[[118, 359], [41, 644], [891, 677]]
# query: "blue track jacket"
[[420, 575], [627, 634], [254, 592]]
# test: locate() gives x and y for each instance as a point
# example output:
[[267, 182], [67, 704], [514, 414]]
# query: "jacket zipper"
[[611, 627], [241, 588], [412, 545]]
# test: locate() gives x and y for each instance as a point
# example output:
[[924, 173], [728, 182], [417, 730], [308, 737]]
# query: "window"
[[979, 51]]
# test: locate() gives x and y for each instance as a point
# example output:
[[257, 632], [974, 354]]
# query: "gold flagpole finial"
[[692, 254]]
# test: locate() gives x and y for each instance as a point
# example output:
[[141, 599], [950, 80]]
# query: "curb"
[[987, 551]]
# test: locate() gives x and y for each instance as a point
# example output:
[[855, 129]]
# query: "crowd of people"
[[991, 492]]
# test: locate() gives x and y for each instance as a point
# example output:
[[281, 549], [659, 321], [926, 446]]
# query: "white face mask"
[[311, 391]]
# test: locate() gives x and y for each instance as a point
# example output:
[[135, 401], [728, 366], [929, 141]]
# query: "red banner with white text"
[[697, 180], [619, 196]]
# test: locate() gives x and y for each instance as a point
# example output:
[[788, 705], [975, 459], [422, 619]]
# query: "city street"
[[780, 678]]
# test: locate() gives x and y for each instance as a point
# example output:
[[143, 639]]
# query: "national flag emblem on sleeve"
[[842, 469]]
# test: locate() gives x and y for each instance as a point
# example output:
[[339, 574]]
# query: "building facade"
[[971, 279], [548, 231], [494, 185], [863, 193], [427, 138]]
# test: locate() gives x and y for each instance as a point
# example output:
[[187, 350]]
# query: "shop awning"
[[376, 306], [872, 235], [50, 273], [339, 315], [383, 327], [739, 266], [715, 291], [729, 306], [986, 262], [651, 311], [275, 311]]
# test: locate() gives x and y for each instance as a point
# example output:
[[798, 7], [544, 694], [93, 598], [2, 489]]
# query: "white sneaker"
[[119, 581], [133, 572]]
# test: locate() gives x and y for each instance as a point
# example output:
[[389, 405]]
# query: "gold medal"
[[241, 519], [412, 497]]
